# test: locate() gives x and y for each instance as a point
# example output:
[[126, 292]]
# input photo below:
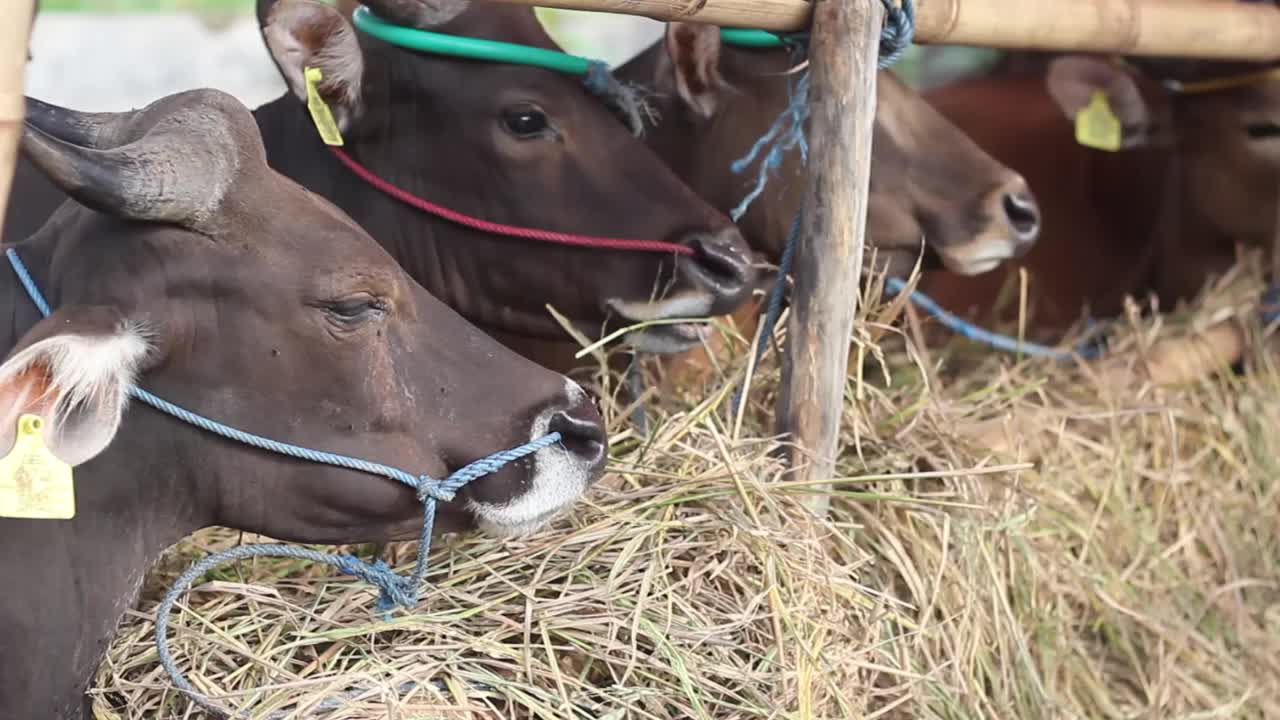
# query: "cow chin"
[[982, 254], [558, 479], [669, 337]]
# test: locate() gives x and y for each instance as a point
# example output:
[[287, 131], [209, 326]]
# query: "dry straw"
[[1009, 539]]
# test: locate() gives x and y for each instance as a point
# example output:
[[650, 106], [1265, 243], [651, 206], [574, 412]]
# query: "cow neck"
[[22, 316], [81, 575]]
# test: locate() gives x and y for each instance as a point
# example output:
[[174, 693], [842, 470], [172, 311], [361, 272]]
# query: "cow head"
[[1221, 120], [230, 290], [929, 181], [513, 144]]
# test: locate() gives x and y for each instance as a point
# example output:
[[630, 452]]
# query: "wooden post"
[[15, 39], [843, 53], [1208, 29]]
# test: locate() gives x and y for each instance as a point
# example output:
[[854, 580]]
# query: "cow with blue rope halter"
[[200, 341], [732, 106]]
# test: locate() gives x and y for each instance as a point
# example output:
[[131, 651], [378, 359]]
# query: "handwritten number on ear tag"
[[33, 482], [319, 109], [1097, 125]]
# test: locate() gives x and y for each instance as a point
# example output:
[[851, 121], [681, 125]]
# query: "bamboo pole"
[[842, 99], [1210, 29], [15, 39]]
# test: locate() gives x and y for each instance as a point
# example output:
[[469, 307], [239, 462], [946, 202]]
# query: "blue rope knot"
[[429, 489], [393, 591], [898, 31]]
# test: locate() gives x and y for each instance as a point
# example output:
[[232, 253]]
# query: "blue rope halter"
[[393, 589]]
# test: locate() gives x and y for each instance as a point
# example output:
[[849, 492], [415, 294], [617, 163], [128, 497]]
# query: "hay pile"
[[1115, 555]]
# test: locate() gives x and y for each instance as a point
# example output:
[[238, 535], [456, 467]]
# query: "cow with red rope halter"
[[502, 187]]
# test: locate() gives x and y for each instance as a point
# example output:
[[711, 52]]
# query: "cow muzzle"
[[1012, 228], [554, 477], [715, 279], [720, 267]]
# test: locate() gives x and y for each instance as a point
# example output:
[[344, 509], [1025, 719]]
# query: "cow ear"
[[1073, 81], [303, 34], [692, 69], [73, 369]]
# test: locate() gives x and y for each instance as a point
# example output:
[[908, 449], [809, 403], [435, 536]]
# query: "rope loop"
[[898, 32]]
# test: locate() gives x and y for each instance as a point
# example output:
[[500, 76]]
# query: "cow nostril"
[[724, 266], [1023, 215], [584, 437]]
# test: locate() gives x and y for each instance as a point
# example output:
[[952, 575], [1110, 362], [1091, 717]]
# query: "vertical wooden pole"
[[15, 38], [843, 51]]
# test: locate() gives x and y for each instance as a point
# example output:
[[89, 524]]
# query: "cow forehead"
[[302, 225], [447, 85]]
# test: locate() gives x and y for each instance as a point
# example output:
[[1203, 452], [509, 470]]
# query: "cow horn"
[[421, 14], [82, 128], [177, 171]]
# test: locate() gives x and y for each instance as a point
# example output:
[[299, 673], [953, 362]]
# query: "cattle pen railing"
[[844, 41]]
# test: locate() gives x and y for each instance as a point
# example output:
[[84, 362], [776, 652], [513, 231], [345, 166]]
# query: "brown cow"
[[230, 290], [1198, 173], [507, 143], [930, 184]]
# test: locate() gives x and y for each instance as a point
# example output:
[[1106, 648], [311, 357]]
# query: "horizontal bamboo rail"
[[1210, 29]]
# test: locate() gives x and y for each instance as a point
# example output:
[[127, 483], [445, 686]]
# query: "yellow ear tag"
[[320, 114], [1097, 125], [34, 483]]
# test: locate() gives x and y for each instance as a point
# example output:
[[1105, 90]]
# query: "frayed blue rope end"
[[787, 131], [602, 83]]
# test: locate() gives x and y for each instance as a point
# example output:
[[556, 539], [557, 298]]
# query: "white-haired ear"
[[73, 369]]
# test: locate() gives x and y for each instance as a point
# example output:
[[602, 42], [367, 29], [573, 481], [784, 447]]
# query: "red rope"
[[508, 230]]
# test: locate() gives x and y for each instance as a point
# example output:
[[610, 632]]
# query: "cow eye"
[[355, 310], [1263, 131], [526, 122]]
